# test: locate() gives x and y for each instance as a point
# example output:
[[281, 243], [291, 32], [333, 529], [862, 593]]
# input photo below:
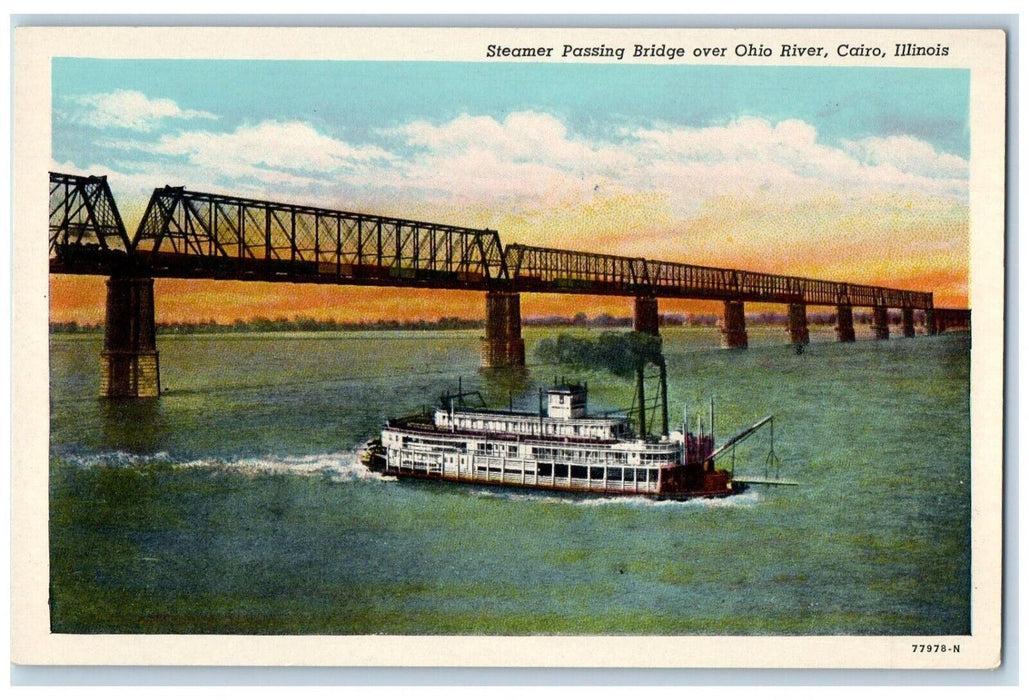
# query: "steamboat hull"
[[673, 483], [726, 490]]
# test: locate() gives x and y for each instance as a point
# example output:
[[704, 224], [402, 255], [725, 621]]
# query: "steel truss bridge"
[[187, 234]]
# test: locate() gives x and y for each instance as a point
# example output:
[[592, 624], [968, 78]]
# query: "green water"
[[235, 503]]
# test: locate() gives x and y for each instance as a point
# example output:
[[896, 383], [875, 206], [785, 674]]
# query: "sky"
[[848, 174]]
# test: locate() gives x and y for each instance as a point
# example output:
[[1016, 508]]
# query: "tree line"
[[262, 324]]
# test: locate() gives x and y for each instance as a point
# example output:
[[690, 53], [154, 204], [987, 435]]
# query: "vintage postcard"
[[509, 347]]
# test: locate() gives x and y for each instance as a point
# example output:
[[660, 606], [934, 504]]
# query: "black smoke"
[[622, 354]]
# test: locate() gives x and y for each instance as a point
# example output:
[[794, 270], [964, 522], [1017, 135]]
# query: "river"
[[235, 503]]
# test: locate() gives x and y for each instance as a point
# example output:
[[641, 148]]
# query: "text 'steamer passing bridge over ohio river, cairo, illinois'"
[[185, 234]]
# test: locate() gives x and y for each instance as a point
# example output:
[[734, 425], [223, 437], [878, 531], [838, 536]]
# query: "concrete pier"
[[645, 316], [734, 326], [908, 322], [503, 345], [129, 365], [797, 325], [880, 323], [845, 323]]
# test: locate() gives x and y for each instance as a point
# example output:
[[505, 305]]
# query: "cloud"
[[519, 161], [529, 159], [520, 137], [531, 174], [908, 155], [289, 146], [130, 109], [270, 159], [744, 138]]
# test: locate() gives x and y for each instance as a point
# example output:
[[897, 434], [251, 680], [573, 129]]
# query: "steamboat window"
[[545, 469], [597, 473], [578, 472], [561, 471], [614, 474]]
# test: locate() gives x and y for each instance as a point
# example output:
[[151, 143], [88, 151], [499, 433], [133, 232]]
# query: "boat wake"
[[127, 460], [746, 499], [337, 466]]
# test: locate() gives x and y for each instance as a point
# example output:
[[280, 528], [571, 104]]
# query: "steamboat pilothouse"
[[560, 448]]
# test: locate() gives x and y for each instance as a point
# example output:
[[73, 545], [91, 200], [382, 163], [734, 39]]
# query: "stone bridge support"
[[128, 363], [881, 322], [734, 325], [503, 345], [930, 322], [908, 322], [797, 325], [644, 315], [845, 323]]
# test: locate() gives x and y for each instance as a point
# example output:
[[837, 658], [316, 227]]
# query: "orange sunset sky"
[[855, 175]]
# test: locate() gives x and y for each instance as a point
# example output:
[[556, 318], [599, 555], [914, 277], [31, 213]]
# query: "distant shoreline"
[[307, 325]]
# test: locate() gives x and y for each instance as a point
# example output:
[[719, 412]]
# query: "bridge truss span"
[[188, 233], [86, 228], [540, 269], [534, 268], [191, 234], [674, 278]]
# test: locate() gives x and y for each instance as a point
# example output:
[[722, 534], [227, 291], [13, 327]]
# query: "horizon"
[[580, 319]]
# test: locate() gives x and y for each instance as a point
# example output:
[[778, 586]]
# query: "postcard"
[[508, 347]]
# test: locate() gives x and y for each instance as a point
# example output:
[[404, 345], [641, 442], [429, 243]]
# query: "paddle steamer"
[[561, 447]]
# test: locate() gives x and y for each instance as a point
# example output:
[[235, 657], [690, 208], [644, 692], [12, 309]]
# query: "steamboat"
[[561, 447]]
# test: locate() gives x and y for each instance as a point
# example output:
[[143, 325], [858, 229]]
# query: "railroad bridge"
[[186, 234]]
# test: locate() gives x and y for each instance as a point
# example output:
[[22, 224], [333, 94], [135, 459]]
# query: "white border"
[[981, 51]]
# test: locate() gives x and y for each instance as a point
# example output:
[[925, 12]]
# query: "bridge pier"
[[797, 325], [503, 345], [128, 363], [845, 323], [734, 325], [881, 322], [644, 315], [930, 322], [945, 319], [908, 322]]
